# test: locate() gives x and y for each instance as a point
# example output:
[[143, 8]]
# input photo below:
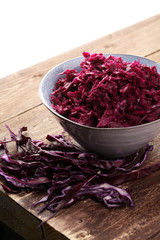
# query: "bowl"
[[110, 142]]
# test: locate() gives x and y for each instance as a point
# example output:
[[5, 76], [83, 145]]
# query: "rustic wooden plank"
[[155, 56], [22, 221], [50, 234], [19, 219], [140, 39], [39, 121]]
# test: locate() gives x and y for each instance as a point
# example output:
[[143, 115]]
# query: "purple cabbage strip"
[[66, 174], [134, 175]]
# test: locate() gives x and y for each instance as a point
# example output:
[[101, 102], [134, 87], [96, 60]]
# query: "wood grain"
[[20, 106]]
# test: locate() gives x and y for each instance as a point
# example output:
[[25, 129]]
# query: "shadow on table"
[[7, 233]]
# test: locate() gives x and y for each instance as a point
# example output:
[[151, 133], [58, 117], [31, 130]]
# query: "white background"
[[34, 30]]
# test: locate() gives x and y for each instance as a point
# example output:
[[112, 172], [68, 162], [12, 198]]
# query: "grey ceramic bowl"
[[110, 142]]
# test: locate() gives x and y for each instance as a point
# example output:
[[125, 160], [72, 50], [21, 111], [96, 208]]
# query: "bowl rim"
[[85, 126]]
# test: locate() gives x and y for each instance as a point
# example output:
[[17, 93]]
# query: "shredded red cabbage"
[[66, 173], [108, 92]]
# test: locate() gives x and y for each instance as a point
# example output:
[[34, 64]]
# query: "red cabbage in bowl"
[[108, 92]]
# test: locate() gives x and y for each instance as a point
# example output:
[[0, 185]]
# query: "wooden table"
[[20, 105]]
